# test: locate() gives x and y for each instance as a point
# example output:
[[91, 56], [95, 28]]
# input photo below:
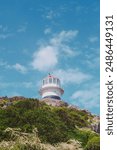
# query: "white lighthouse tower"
[[51, 88]]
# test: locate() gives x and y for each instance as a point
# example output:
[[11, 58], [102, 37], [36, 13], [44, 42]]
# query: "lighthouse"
[[51, 88]]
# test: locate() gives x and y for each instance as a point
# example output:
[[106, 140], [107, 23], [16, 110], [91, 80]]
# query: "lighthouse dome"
[[51, 87]]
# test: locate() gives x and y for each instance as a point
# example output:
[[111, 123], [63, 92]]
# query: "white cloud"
[[61, 41], [63, 36], [5, 64], [47, 30], [93, 39], [20, 68], [92, 59], [72, 76], [45, 58], [84, 94], [5, 36], [93, 63], [4, 33], [68, 51], [51, 14], [88, 97], [47, 55]]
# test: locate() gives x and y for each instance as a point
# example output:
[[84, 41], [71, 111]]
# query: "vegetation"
[[93, 144], [30, 141], [53, 125]]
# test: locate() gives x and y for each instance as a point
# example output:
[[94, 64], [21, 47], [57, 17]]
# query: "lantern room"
[[51, 88]]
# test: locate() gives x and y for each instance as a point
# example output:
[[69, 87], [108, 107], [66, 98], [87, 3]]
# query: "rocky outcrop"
[[54, 102], [95, 126]]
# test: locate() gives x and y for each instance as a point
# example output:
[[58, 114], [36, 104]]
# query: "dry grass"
[[30, 141]]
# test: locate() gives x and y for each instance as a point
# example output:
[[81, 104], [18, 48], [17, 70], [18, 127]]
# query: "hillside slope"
[[53, 124]]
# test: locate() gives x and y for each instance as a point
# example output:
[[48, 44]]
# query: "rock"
[[95, 126], [54, 102]]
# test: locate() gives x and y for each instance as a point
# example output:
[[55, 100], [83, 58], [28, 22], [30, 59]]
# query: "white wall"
[[50, 92]]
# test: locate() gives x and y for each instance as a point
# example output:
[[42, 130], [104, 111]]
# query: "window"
[[54, 80], [50, 80], [58, 82]]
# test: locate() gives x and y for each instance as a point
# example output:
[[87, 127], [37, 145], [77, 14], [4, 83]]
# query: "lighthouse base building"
[[51, 88]]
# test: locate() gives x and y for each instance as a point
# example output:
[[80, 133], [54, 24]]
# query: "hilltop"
[[54, 122]]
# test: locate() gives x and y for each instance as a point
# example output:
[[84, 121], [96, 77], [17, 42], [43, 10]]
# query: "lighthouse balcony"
[[55, 90]]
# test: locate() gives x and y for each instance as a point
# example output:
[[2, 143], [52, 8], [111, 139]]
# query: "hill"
[[54, 126]]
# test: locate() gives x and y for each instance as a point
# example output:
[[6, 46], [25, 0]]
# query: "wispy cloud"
[[18, 67], [93, 63], [47, 30], [72, 76], [63, 36], [51, 14], [5, 35], [47, 55], [92, 59], [68, 51], [93, 39], [87, 97]]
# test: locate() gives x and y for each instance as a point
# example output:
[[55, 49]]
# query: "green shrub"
[[54, 124], [93, 144], [83, 135]]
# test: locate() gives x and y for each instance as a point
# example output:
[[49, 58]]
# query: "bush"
[[54, 124], [83, 135], [93, 144]]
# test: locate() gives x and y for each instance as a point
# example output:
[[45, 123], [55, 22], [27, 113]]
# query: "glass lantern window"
[[54, 80], [50, 80], [58, 83]]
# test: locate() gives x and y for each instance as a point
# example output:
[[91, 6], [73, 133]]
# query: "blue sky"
[[42, 36]]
